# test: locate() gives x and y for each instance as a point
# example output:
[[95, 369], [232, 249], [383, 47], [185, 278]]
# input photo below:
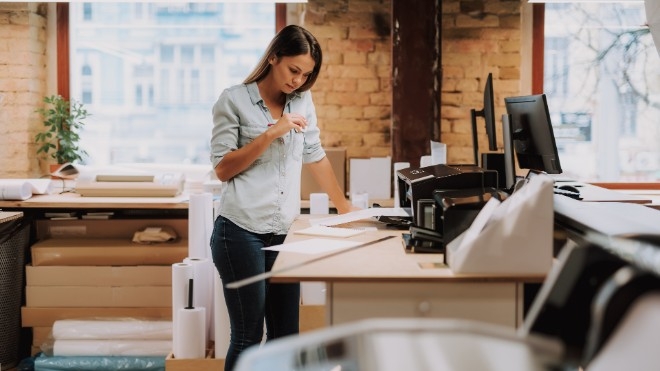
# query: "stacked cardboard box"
[[91, 268]]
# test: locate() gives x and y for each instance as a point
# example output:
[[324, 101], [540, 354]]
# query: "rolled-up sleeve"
[[224, 136], [313, 150]]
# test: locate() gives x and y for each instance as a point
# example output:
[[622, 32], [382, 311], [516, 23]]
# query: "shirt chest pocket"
[[246, 135]]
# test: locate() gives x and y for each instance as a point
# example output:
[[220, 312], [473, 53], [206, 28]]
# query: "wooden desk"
[[383, 281]]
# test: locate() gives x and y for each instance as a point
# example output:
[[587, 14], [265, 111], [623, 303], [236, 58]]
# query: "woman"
[[263, 131]]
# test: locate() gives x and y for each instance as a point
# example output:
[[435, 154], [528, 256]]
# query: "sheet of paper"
[[324, 231], [361, 214], [314, 246]]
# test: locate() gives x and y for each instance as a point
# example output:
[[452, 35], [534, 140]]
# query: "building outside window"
[[149, 74], [602, 80]]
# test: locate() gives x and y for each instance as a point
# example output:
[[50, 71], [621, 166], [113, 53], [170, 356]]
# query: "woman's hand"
[[287, 122]]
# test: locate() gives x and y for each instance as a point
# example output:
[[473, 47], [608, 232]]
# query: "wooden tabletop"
[[386, 261]]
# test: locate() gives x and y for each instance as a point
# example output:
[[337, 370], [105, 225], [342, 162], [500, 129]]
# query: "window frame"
[[63, 52]]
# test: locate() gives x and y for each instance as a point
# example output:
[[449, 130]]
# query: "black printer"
[[444, 200], [418, 184]]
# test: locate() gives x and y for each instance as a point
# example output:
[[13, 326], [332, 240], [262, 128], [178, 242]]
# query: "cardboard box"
[[98, 296], [208, 363], [337, 157], [45, 317], [312, 317], [40, 335], [111, 228], [105, 252], [145, 275]]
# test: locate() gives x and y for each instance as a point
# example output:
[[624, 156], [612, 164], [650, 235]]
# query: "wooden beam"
[[63, 75], [416, 78]]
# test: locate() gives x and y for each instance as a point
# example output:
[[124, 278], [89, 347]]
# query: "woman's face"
[[289, 73]]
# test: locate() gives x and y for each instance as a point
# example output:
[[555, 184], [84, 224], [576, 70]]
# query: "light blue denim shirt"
[[265, 197]]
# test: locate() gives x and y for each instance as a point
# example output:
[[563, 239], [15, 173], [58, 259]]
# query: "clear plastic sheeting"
[[112, 329], [50, 363]]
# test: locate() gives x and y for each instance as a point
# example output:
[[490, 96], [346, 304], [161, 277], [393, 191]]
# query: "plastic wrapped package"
[[89, 363], [126, 328]]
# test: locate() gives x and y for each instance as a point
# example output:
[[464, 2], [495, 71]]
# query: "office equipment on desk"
[[161, 185], [509, 237], [446, 216], [418, 184]]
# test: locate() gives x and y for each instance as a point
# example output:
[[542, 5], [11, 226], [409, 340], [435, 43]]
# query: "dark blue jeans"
[[238, 254]]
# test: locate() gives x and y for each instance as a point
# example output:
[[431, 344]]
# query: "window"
[[601, 76], [150, 73]]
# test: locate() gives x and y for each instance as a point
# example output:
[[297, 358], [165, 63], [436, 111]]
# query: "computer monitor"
[[488, 113], [532, 135]]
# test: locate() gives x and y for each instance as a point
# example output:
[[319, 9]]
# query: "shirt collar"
[[255, 97]]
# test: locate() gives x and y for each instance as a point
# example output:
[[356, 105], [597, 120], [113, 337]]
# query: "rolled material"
[[192, 341], [200, 225], [221, 318], [181, 273], [112, 347], [15, 189], [203, 270], [319, 204], [128, 329]]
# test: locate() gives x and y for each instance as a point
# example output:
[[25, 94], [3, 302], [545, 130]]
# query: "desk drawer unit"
[[493, 302]]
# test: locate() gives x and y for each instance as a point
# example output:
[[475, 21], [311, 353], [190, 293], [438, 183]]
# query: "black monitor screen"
[[532, 135]]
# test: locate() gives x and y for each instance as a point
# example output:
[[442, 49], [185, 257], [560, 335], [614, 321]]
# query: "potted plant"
[[60, 135]]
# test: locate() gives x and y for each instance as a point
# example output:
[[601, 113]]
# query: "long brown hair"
[[292, 40]]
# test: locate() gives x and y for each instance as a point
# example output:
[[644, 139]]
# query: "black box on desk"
[[417, 185]]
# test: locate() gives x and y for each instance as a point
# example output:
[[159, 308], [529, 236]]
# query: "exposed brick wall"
[[22, 85], [353, 94], [478, 37]]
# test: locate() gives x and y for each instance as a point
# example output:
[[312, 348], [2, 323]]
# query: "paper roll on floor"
[[203, 288], [112, 347], [181, 274], [192, 334], [125, 329]]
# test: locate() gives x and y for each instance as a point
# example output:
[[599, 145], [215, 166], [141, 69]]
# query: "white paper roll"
[[438, 153], [312, 293], [192, 325], [360, 200], [181, 273], [425, 161], [319, 204], [112, 347], [126, 329], [221, 318], [203, 288], [200, 224], [14, 189]]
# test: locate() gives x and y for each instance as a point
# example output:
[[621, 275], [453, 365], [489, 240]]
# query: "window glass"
[[149, 74], [602, 80]]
